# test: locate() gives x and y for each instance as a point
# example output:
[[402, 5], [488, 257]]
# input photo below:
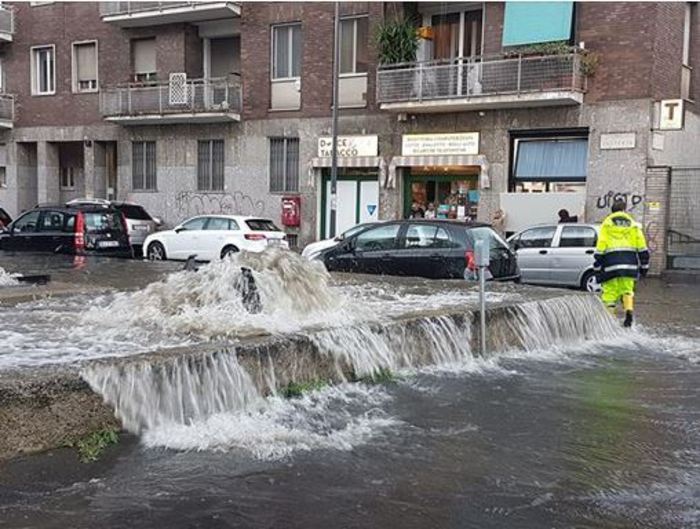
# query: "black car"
[[78, 229], [5, 218], [438, 249]]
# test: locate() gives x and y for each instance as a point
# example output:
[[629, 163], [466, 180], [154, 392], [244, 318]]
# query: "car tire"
[[228, 250], [589, 283], [156, 252]]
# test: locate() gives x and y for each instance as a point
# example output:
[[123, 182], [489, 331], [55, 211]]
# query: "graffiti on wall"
[[605, 201], [189, 203], [652, 233]]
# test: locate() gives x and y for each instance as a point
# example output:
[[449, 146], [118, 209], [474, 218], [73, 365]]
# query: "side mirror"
[[158, 221], [339, 238], [179, 229]]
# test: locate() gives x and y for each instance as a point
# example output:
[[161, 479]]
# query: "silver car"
[[557, 254]]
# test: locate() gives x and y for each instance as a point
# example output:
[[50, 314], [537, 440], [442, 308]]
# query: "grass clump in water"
[[91, 446], [297, 389]]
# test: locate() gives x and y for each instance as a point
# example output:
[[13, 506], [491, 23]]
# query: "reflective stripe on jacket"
[[622, 249]]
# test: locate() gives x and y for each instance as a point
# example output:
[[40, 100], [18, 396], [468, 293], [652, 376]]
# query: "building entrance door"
[[358, 200]]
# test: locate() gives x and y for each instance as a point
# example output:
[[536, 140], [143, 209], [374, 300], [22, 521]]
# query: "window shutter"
[[292, 183], [86, 57], [217, 176], [137, 165], [144, 51]]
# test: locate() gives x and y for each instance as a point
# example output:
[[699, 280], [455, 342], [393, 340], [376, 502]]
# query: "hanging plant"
[[397, 41], [589, 62]]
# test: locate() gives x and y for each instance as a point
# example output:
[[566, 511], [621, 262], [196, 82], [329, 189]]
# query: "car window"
[[427, 236], [381, 238], [70, 223], [28, 223], [537, 237], [578, 237], [261, 225], [52, 221], [195, 224], [134, 212], [4, 218], [103, 221], [217, 224]]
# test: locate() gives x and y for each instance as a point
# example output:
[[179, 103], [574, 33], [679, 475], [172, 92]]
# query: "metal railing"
[[126, 8], [200, 95], [7, 108], [479, 77], [7, 20]]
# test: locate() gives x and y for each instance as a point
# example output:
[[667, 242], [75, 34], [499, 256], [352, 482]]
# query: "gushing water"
[[7, 279]]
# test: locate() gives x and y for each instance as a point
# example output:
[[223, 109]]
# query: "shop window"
[[210, 165], [554, 164], [284, 165], [578, 237], [143, 165]]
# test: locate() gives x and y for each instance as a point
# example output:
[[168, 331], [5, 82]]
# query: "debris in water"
[[249, 291], [191, 264]]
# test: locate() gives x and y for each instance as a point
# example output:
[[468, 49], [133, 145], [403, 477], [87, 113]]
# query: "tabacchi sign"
[[348, 146], [440, 144]]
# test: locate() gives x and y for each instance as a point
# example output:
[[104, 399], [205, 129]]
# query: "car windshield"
[[103, 221], [134, 212], [261, 225], [352, 231]]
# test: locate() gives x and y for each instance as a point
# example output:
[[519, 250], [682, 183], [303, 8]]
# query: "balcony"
[[194, 101], [7, 111], [7, 24], [140, 14], [482, 83]]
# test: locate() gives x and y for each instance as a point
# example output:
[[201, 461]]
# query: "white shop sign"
[[440, 144], [671, 117], [349, 146], [618, 140]]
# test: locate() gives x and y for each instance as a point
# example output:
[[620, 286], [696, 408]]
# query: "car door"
[[49, 236], [185, 239], [573, 253], [22, 232], [424, 251], [371, 251], [533, 247], [217, 232]]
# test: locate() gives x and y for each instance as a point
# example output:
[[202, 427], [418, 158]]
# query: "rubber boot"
[[628, 304]]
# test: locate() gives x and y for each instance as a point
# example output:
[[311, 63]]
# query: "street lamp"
[[334, 129]]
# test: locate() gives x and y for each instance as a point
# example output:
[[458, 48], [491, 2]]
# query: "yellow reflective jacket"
[[621, 250]]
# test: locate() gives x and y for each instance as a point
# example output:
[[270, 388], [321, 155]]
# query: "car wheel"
[[590, 282], [156, 252], [228, 250]]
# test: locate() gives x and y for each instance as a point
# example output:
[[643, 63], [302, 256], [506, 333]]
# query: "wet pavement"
[[603, 435]]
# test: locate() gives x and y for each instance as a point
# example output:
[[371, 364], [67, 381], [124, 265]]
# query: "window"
[[381, 238], [43, 70], [85, 66], [353, 45], [195, 224], [221, 224], [545, 164], [210, 165], [27, 223], [52, 221], [286, 51], [535, 22], [536, 238], [420, 236], [578, 237], [143, 165], [68, 177], [261, 225], [143, 57], [284, 165]]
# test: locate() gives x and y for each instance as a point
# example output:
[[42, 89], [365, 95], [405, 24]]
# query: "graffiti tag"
[[189, 203], [608, 199]]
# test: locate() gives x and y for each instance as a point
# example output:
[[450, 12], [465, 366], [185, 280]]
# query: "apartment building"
[[198, 107]]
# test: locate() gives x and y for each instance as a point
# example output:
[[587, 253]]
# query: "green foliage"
[[297, 389], [90, 447], [589, 59], [397, 41], [381, 376]]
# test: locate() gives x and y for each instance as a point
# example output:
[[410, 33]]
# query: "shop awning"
[[455, 159], [350, 161]]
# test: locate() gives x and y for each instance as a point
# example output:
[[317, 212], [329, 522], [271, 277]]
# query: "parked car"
[[138, 222], [5, 218], [314, 249], [557, 254], [212, 237], [75, 229], [439, 249]]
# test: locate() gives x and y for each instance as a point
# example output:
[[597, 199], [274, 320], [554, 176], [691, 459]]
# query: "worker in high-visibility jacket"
[[621, 258]]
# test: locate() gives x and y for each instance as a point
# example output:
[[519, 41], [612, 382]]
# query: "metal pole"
[[334, 131], [482, 309]]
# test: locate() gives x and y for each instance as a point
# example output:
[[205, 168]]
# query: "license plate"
[[107, 244], [141, 227], [274, 242]]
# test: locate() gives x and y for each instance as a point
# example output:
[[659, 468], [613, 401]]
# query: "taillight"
[[469, 258], [255, 236], [79, 235]]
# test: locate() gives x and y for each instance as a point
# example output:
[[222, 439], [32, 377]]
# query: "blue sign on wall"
[[535, 22]]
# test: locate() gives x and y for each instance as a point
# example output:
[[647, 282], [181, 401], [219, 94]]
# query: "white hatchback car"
[[211, 237]]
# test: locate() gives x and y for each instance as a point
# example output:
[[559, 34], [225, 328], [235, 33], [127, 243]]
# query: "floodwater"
[[597, 434]]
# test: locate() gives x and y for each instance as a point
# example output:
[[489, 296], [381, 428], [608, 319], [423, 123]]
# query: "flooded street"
[[594, 433]]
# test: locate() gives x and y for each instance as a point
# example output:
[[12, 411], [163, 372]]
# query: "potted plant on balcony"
[[397, 41]]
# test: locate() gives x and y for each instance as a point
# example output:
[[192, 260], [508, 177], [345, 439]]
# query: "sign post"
[[334, 133], [481, 256]]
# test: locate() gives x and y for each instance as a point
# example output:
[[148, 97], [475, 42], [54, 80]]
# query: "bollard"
[[482, 258]]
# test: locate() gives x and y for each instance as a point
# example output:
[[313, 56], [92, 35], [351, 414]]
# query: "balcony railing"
[[7, 111], [197, 100], [475, 80], [133, 14], [7, 24]]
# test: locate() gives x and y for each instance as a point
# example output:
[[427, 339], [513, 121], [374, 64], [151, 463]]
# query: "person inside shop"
[[565, 218], [430, 213], [417, 211]]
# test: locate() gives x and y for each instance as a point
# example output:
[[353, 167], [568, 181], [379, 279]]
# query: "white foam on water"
[[7, 279]]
